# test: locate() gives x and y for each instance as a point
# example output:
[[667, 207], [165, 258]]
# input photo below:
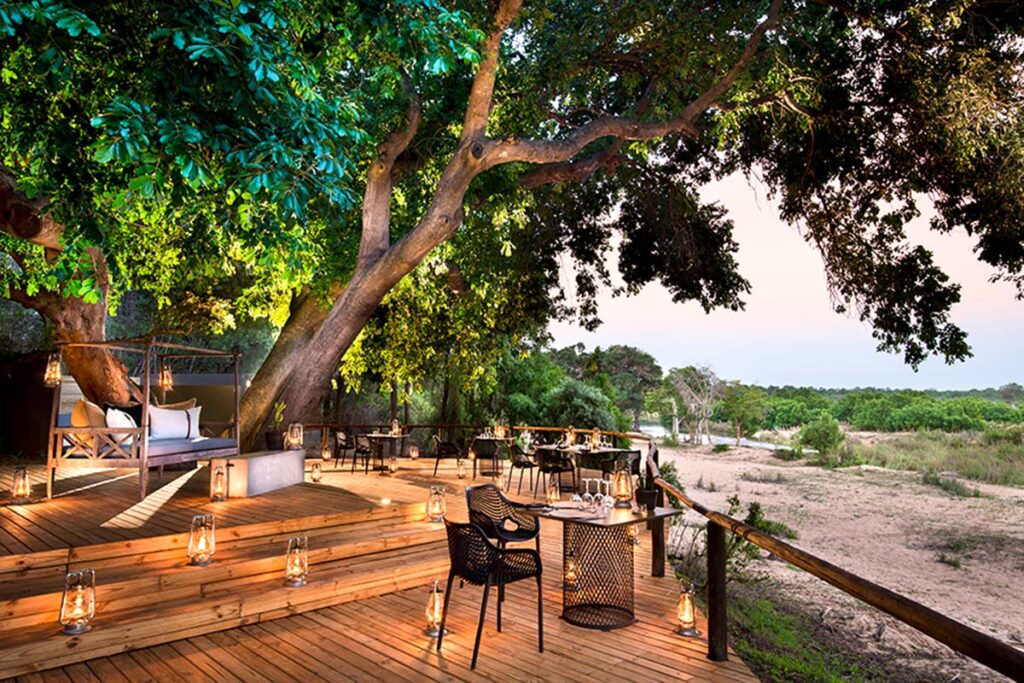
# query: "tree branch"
[[26, 218], [478, 109]]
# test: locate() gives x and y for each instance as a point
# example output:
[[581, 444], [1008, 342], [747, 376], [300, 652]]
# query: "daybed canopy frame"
[[116, 453]]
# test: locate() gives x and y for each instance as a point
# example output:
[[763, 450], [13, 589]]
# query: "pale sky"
[[788, 333]]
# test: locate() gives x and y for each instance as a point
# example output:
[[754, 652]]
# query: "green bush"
[[823, 435]]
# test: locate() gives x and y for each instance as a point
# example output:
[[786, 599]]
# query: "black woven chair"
[[364, 448], [444, 449], [552, 463], [477, 561], [520, 461], [501, 519], [342, 444]]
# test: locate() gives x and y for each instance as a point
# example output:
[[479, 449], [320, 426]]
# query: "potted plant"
[[275, 437]]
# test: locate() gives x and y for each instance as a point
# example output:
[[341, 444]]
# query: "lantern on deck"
[[51, 377], [78, 604], [460, 470], [218, 485], [316, 473], [633, 533], [685, 612], [202, 540], [296, 566], [436, 504], [571, 575], [471, 456], [325, 449], [435, 611], [554, 494], [622, 488], [414, 452], [293, 438], [21, 488], [165, 380], [392, 465]]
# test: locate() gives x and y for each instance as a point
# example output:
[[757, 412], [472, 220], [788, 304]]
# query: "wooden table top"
[[567, 512]]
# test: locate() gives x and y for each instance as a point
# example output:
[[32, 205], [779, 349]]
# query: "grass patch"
[[950, 485], [710, 486], [721, 448], [761, 477], [789, 454], [995, 456]]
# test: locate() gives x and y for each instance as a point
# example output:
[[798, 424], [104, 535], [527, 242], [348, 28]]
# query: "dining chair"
[[444, 449], [342, 444], [552, 462], [365, 449], [478, 562], [522, 462]]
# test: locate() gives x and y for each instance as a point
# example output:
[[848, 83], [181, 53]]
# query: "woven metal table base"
[[603, 594]]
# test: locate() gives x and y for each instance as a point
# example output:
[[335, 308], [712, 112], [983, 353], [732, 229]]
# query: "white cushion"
[[166, 423], [117, 419]]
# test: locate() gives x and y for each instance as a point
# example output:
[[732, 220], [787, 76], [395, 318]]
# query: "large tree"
[[604, 118]]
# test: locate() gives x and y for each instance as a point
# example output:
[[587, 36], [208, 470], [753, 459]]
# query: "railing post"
[[718, 620]]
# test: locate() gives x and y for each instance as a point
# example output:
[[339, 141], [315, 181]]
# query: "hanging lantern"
[[396, 429], [622, 488], [21, 487], [202, 540], [571, 577], [435, 611], [296, 566], [414, 452], [460, 470], [436, 504], [165, 379], [392, 465], [219, 485], [293, 439], [685, 612], [316, 473], [51, 377], [78, 604], [553, 495], [595, 439]]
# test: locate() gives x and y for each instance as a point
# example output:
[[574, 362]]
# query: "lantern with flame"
[[460, 469], [325, 448], [571, 573], [471, 456], [392, 465], [218, 485], [622, 487], [165, 380], [685, 612], [499, 431], [396, 429], [554, 495], [414, 452], [21, 488], [435, 607], [78, 604], [436, 504], [202, 540], [595, 439], [316, 473], [293, 438], [570, 436], [633, 533], [296, 565], [51, 377]]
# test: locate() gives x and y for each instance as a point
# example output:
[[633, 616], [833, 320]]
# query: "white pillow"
[[166, 423], [119, 419]]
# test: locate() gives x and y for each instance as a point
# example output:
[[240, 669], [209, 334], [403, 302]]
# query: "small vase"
[[647, 498]]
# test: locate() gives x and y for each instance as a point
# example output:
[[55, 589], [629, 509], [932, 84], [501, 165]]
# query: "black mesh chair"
[[342, 444], [477, 561], [444, 449], [363, 448], [520, 461], [501, 519], [552, 462]]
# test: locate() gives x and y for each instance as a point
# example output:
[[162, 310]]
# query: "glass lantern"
[[460, 470], [554, 495], [293, 438], [51, 377], [396, 429], [165, 379], [202, 540], [571, 576], [21, 487], [219, 485], [686, 613], [471, 456], [622, 488], [436, 504], [595, 439], [316, 473], [325, 450], [78, 604], [296, 567], [499, 431], [414, 452], [392, 465], [435, 611]]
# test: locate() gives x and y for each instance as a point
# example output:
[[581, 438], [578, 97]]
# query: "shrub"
[[823, 435], [721, 448], [789, 454]]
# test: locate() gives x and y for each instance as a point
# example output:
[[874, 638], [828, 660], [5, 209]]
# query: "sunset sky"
[[789, 334]]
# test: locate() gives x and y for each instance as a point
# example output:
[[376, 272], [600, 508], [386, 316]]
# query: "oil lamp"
[[460, 470], [296, 566], [571, 577], [78, 604], [435, 607], [396, 429], [316, 473], [570, 436], [293, 439], [392, 465], [554, 495], [436, 504], [165, 379], [633, 533], [325, 450], [202, 540], [499, 431], [218, 485], [685, 612], [21, 488], [51, 377], [622, 488], [471, 456], [595, 439], [414, 452]]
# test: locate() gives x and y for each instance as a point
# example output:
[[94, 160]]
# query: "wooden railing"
[[978, 646]]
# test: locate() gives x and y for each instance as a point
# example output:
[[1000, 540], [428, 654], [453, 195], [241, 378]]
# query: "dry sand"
[[890, 528]]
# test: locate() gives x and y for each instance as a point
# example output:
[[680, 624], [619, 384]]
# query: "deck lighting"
[[685, 612], [21, 488], [622, 488], [293, 439], [202, 540], [218, 487], [296, 567], [316, 473], [435, 607], [436, 504], [78, 604], [51, 377]]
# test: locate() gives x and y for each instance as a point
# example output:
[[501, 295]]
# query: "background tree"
[[743, 407], [699, 388]]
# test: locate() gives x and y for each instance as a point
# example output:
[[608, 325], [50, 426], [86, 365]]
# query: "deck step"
[[147, 595]]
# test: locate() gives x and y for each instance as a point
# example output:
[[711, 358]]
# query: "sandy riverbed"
[[890, 528]]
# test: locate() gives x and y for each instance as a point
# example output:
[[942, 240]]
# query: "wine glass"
[[588, 499], [609, 499], [599, 496], [577, 500]]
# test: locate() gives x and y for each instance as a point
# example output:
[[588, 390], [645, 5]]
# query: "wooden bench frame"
[[108, 447]]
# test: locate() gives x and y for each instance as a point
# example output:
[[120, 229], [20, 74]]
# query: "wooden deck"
[[365, 638]]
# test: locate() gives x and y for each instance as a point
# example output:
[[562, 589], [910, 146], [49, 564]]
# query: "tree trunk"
[[738, 434]]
